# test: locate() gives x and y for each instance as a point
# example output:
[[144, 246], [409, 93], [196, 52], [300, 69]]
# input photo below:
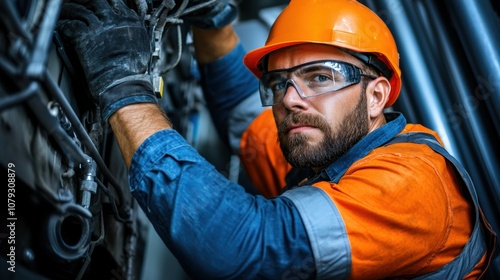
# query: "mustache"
[[305, 119]]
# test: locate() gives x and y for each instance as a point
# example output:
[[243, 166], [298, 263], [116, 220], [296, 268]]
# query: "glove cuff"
[[214, 21], [228, 15], [123, 93]]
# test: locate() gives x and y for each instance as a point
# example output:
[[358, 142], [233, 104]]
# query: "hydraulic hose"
[[43, 39], [11, 20], [68, 233], [80, 131], [19, 97], [51, 125]]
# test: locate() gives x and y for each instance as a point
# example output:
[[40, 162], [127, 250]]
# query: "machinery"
[[70, 214]]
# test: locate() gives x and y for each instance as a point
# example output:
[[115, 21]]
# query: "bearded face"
[[301, 153]]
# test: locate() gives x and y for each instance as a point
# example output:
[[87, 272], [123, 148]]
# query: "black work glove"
[[214, 14], [113, 47]]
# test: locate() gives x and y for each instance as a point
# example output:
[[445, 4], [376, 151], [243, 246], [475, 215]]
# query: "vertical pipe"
[[478, 28], [479, 156], [479, 33], [418, 80]]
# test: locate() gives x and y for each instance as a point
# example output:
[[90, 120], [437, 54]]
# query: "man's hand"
[[214, 14], [113, 47]]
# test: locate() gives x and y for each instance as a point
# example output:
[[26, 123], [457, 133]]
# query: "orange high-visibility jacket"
[[402, 206]]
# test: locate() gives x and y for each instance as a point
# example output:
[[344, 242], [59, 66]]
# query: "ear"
[[377, 92]]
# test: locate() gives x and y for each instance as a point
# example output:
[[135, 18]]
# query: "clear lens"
[[309, 79]]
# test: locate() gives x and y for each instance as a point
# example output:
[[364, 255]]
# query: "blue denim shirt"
[[214, 228], [217, 230]]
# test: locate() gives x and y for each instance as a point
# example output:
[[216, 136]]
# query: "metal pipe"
[[479, 156], [478, 28], [418, 79], [19, 97], [57, 94], [88, 185], [38, 60], [51, 125], [12, 21]]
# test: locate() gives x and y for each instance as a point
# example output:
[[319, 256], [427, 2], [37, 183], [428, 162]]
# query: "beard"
[[300, 154]]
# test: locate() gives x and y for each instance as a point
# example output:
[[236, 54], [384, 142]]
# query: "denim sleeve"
[[226, 82], [214, 228]]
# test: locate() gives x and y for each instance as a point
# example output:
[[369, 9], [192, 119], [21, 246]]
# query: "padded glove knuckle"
[[112, 45]]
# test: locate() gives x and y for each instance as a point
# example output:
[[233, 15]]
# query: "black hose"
[[51, 125], [116, 213], [11, 20], [8, 69], [43, 40], [19, 97]]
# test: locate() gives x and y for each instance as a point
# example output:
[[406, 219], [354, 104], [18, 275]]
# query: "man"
[[368, 196]]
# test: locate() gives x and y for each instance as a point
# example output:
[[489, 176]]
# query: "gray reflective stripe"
[[326, 231], [475, 248]]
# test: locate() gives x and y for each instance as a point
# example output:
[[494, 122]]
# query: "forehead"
[[300, 54]]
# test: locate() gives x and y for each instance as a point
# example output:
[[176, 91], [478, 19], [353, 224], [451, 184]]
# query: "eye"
[[277, 85], [320, 78], [316, 75], [281, 85]]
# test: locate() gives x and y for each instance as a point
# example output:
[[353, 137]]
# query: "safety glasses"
[[309, 79]]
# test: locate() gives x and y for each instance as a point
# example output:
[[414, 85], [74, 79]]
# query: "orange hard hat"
[[345, 24]]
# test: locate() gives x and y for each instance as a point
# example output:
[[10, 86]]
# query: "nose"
[[293, 96]]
